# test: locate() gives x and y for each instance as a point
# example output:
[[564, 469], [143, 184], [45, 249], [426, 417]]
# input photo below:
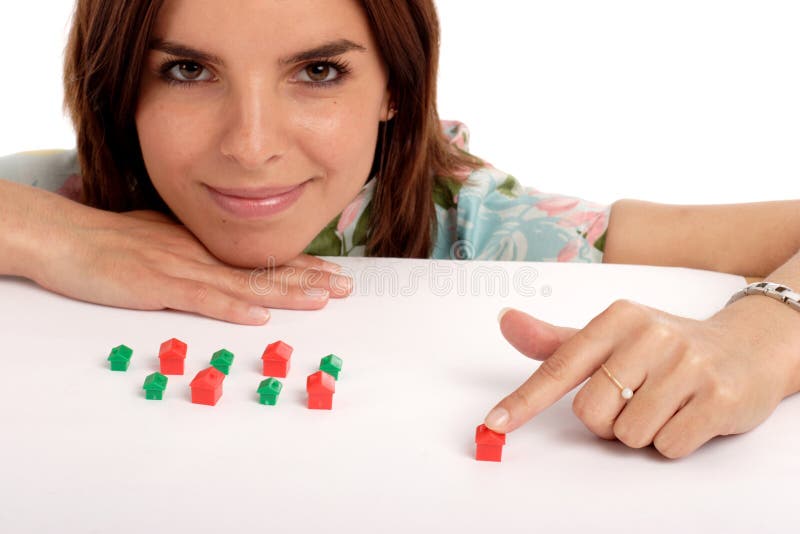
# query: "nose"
[[253, 133]]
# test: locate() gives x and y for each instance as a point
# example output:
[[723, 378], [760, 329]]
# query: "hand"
[[145, 260], [692, 380]]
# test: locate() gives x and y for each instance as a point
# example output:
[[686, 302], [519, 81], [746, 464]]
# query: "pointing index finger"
[[574, 361]]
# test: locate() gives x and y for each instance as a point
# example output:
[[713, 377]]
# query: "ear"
[[388, 109]]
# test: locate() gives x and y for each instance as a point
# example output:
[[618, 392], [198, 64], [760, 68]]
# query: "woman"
[[246, 136]]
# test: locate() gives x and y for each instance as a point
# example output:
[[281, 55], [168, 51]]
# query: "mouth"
[[257, 202]]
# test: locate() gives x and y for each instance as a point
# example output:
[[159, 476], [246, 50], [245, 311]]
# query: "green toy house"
[[332, 365], [154, 386], [268, 390], [120, 358], [222, 361]]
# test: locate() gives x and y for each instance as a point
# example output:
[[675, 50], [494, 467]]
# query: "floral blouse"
[[483, 214]]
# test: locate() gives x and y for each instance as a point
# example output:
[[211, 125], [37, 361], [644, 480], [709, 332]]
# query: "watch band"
[[772, 290]]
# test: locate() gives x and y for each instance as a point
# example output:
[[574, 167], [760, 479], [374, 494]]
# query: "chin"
[[251, 255]]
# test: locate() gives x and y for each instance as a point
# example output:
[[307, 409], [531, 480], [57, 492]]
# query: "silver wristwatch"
[[770, 289]]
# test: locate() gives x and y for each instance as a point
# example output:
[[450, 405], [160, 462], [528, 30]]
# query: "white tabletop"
[[83, 451]]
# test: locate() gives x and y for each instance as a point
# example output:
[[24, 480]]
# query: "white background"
[[676, 102]]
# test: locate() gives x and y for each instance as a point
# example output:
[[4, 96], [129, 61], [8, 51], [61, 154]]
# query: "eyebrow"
[[329, 49]]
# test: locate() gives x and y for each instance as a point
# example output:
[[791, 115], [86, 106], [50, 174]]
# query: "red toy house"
[[172, 355], [320, 387], [207, 386], [276, 359], [489, 444]]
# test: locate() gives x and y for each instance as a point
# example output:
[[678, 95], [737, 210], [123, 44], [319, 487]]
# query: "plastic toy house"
[[268, 391], [276, 359], [320, 387], [489, 444], [207, 386], [154, 386], [332, 365], [120, 358], [172, 355], [222, 360]]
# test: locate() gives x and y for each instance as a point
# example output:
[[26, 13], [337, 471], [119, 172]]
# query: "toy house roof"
[[270, 386], [320, 382], [155, 382], [278, 351], [172, 349], [208, 378], [485, 436]]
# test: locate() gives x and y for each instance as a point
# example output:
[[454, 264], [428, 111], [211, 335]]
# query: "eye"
[[184, 72], [323, 73]]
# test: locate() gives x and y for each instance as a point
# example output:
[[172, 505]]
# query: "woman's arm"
[[144, 260], [22, 209], [760, 240], [750, 239], [691, 379]]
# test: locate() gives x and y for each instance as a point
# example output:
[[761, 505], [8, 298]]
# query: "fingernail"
[[502, 313], [497, 418], [341, 282], [257, 313]]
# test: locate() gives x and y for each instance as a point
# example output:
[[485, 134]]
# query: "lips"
[[256, 202], [258, 192]]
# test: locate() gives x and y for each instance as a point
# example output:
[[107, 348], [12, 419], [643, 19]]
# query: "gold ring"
[[626, 393]]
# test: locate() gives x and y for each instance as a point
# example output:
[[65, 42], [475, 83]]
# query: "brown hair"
[[103, 65]]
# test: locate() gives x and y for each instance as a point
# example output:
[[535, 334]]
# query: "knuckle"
[[722, 394], [629, 436], [238, 281], [579, 406], [519, 398], [199, 294], [620, 305], [582, 408], [555, 367], [698, 364], [662, 332], [668, 450], [625, 308]]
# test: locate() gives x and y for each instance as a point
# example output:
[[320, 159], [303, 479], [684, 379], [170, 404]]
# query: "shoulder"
[[490, 215], [54, 170]]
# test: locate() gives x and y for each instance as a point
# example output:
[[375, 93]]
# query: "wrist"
[[32, 226], [772, 328], [16, 221]]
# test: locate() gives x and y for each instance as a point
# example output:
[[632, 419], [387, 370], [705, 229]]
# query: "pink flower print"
[[569, 251], [351, 212], [555, 205], [456, 133], [577, 219]]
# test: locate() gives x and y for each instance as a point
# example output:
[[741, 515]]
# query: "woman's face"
[[259, 144]]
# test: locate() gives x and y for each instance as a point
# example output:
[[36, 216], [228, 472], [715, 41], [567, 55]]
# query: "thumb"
[[532, 337]]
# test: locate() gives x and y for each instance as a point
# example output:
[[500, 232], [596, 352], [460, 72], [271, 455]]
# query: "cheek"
[[341, 139], [171, 139]]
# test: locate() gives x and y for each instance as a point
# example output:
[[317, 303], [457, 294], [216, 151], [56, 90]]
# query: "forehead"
[[258, 27]]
